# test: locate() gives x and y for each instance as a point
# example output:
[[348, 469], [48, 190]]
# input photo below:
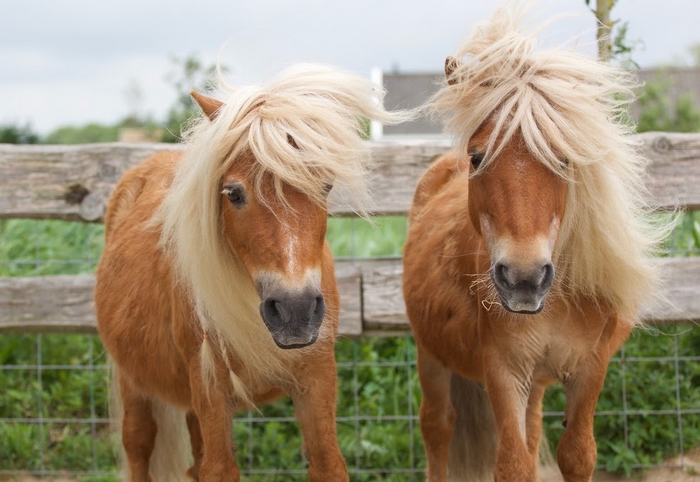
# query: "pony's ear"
[[451, 64], [209, 106]]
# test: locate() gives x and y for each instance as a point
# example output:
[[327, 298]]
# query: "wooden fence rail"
[[74, 183]]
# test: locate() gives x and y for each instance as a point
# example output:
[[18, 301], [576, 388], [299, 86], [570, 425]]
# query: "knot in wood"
[[661, 144], [75, 194]]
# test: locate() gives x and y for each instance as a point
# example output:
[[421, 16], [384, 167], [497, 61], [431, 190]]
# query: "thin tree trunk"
[[603, 34]]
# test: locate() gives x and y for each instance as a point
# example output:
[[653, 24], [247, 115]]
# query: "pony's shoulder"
[[438, 175]]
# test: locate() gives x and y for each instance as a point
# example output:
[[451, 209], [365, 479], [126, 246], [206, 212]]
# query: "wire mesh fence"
[[53, 387]]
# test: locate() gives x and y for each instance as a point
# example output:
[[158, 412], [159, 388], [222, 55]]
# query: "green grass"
[[377, 379], [355, 237]]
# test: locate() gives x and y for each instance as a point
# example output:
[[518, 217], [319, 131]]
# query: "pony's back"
[[441, 172], [157, 170]]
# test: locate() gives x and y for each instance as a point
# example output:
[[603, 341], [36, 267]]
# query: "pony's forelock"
[[306, 129], [569, 108]]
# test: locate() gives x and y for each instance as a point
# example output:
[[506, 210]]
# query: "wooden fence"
[[74, 183]]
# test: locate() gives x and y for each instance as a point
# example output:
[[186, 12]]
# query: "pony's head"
[[245, 217], [555, 183], [278, 237], [517, 205], [277, 231]]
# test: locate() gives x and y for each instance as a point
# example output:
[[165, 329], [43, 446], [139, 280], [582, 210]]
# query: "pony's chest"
[[563, 349]]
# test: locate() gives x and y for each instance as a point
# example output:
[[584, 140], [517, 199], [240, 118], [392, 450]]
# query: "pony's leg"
[[138, 432], [576, 452], [197, 444], [509, 394], [534, 421], [214, 411], [314, 403], [437, 415]]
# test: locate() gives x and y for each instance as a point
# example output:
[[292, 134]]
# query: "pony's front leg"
[[534, 420], [437, 415], [509, 395], [314, 398], [196, 443], [214, 411], [138, 431], [576, 451]]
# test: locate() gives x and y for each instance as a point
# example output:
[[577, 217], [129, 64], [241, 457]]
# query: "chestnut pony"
[[216, 289], [527, 254]]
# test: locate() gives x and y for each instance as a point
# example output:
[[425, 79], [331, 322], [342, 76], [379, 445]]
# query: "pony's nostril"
[[278, 309], [547, 276], [501, 274], [313, 308], [319, 309]]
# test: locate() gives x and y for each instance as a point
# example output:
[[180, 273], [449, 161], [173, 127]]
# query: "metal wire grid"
[[250, 427], [414, 460]]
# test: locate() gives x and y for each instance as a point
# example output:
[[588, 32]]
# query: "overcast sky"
[[71, 61]]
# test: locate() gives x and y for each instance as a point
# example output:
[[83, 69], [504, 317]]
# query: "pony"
[[216, 289], [528, 252]]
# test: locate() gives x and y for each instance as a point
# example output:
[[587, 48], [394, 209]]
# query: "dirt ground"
[[691, 473], [661, 474]]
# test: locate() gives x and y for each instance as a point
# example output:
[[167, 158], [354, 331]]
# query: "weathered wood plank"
[[680, 297], [371, 299], [47, 304], [398, 166], [679, 301], [674, 173], [65, 303], [65, 182], [382, 295], [74, 182], [350, 288]]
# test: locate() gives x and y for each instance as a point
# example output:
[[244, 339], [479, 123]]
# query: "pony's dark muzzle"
[[293, 318], [522, 290]]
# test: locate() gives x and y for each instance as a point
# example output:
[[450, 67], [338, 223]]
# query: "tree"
[[84, 134], [12, 134], [613, 43], [604, 30], [189, 73]]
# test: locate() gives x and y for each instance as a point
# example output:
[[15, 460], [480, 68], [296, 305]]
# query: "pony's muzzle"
[[522, 290], [293, 319]]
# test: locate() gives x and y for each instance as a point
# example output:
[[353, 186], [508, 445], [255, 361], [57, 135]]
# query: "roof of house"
[[409, 90]]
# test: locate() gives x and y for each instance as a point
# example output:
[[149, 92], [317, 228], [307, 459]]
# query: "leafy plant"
[[188, 73], [658, 113]]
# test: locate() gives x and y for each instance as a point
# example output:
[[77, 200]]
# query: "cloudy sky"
[[72, 61]]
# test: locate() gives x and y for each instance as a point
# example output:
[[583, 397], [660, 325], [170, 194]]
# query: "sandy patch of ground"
[[690, 473]]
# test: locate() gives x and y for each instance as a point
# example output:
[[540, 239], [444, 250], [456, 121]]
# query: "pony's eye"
[[476, 158], [327, 188], [292, 142], [235, 194]]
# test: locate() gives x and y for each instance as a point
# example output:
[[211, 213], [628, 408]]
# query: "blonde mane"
[[305, 130], [569, 108]]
